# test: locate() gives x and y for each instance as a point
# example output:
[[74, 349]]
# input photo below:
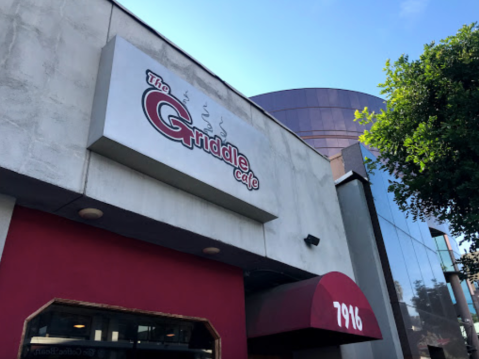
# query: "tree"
[[428, 136]]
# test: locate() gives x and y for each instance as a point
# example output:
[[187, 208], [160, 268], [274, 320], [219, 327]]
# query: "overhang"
[[321, 311]]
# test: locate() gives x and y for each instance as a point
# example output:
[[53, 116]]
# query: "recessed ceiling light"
[[79, 326], [211, 250], [90, 213]]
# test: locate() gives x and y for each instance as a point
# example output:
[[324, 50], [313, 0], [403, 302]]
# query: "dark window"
[[436, 353], [65, 330]]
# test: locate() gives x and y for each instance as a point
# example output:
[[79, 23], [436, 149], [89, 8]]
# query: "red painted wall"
[[47, 256]]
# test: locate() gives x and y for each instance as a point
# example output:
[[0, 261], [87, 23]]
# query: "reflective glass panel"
[[432, 286], [397, 262], [378, 189], [446, 261], [399, 217], [438, 331], [441, 243], [440, 285], [455, 246], [420, 299], [451, 293], [414, 229], [467, 294], [426, 235]]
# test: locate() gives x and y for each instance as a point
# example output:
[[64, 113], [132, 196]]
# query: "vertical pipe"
[[465, 314]]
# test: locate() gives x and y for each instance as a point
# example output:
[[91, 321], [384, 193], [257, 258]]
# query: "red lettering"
[[178, 127], [243, 163], [247, 179], [250, 176], [151, 77], [198, 137], [226, 154], [207, 143], [178, 130], [215, 145], [235, 157], [238, 174]]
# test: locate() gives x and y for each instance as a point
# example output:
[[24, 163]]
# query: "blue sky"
[[269, 45]]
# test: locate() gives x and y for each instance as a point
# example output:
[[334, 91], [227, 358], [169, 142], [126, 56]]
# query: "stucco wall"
[[48, 65], [49, 54]]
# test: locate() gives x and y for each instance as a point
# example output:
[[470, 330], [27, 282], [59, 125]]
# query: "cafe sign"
[[150, 119], [178, 127]]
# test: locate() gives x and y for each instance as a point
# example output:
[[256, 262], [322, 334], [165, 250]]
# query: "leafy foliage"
[[428, 136]]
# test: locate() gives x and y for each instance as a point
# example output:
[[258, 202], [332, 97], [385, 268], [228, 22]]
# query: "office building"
[[409, 260]]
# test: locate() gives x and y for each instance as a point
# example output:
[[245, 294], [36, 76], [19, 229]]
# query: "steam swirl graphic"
[[186, 99], [204, 116], [223, 132]]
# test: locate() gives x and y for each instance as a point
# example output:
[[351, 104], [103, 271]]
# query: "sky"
[[260, 46]]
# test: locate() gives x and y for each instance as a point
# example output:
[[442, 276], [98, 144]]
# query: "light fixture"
[[79, 326], [170, 335], [310, 239], [211, 250], [90, 213]]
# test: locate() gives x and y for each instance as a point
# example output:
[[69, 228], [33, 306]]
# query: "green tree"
[[428, 136]]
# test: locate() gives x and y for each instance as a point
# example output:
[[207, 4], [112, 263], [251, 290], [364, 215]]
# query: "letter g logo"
[[153, 101]]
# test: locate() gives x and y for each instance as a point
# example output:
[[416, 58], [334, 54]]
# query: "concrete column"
[[465, 314], [6, 210]]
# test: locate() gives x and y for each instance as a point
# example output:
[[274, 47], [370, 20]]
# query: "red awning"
[[321, 311]]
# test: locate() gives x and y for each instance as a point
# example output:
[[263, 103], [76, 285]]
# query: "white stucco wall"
[[49, 60], [49, 53]]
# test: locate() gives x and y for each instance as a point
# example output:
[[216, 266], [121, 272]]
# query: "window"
[[67, 329]]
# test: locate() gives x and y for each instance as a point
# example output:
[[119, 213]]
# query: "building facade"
[[148, 209], [408, 256], [425, 316], [323, 117]]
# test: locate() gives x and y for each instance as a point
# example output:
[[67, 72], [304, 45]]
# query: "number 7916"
[[346, 314]]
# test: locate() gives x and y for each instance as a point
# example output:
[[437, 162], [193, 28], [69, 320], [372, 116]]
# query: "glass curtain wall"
[[445, 254], [421, 288]]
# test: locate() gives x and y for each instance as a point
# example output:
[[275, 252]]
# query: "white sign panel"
[[147, 118]]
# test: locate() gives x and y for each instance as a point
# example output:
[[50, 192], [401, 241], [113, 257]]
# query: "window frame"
[[214, 333]]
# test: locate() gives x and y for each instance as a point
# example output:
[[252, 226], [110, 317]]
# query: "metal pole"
[[465, 314]]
